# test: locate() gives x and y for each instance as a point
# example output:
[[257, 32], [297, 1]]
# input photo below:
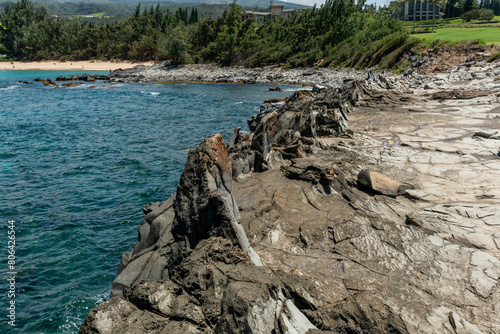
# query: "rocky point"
[[371, 206]]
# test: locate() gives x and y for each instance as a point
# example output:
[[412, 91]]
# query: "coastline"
[[211, 73], [54, 65], [371, 213]]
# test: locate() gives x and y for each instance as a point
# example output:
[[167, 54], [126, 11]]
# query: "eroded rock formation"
[[202, 207], [304, 226]]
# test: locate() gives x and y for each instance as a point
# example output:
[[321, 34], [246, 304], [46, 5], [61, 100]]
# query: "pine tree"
[[468, 5]]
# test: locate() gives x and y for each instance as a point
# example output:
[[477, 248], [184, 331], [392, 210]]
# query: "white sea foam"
[[10, 87], [152, 93], [297, 89], [101, 298]]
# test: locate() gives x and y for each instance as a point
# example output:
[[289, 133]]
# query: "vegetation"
[[340, 32], [455, 8], [478, 14], [29, 33]]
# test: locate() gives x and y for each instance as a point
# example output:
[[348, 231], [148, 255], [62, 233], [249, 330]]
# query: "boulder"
[[382, 184]]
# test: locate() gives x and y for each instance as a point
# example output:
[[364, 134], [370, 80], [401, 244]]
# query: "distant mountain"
[[244, 3], [99, 11]]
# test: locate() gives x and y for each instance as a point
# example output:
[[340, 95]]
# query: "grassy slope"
[[489, 35]]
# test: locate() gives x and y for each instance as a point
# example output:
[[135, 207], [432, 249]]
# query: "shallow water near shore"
[[77, 164]]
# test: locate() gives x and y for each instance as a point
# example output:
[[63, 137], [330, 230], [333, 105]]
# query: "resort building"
[[274, 11], [417, 10]]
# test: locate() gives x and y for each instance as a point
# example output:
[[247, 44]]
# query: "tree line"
[[456, 8], [33, 34], [337, 28]]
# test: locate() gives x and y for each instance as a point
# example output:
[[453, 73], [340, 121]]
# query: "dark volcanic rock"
[[202, 207], [264, 109], [129, 74], [290, 129], [68, 78], [311, 170], [263, 137], [83, 77], [335, 259], [216, 289], [46, 82]]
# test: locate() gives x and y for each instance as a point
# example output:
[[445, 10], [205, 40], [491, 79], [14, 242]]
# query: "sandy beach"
[[68, 65]]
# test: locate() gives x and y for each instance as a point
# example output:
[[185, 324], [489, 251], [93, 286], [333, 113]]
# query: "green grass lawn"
[[489, 35]]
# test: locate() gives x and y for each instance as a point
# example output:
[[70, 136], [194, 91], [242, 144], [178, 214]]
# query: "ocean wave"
[[295, 89], [11, 87], [151, 93]]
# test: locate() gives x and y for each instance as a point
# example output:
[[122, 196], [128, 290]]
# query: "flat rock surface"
[[413, 256]]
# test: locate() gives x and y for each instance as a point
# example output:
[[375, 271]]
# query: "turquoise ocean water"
[[77, 164]]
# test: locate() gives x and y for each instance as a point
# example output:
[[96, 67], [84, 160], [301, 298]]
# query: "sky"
[[318, 2]]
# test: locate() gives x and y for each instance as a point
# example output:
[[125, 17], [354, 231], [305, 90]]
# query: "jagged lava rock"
[[202, 207], [216, 289], [336, 258]]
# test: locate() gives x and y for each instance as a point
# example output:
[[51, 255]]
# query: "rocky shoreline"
[[235, 75], [369, 204], [434, 67]]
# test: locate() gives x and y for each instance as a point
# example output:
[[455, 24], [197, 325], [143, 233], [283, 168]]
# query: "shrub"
[[478, 14], [486, 14]]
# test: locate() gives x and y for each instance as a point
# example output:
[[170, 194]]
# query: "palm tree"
[[414, 13], [435, 3]]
